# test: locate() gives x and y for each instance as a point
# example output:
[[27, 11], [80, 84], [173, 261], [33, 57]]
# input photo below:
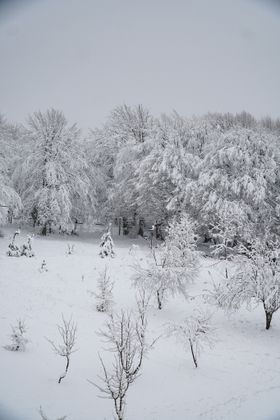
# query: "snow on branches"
[[174, 264], [104, 293], [107, 244], [18, 338], [256, 280], [195, 332]]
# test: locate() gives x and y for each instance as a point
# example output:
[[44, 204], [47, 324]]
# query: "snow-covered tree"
[[107, 244], [26, 249], [174, 264], [53, 180], [43, 267], [9, 199], [18, 338], [125, 334], [13, 248], [67, 331], [195, 332], [256, 280], [238, 174], [104, 294]]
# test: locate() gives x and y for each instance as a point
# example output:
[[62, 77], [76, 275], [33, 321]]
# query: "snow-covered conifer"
[[26, 249], [18, 338], [43, 267], [13, 249], [107, 244], [104, 294]]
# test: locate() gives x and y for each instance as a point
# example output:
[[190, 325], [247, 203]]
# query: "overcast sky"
[[87, 56]]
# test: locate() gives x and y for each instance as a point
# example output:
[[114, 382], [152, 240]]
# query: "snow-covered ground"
[[238, 379]]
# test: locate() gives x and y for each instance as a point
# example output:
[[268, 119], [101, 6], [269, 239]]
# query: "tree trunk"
[[268, 318], [193, 355], [44, 230], [159, 299], [66, 370]]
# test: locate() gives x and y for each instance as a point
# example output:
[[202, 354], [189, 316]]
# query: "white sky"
[[87, 56]]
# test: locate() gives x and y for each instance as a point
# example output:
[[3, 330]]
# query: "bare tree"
[[125, 334], [195, 332], [18, 338], [67, 331]]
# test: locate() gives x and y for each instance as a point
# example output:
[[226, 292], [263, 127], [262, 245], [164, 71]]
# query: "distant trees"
[[52, 180], [8, 153], [138, 167]]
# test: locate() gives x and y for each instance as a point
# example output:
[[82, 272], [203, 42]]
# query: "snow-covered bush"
[[107, 244], [13, 249], [67, 331], [43, 267], [104, 294], [70, 249], [256, 280], [26, 249], [195, 332], [18, 338], [174, 264]]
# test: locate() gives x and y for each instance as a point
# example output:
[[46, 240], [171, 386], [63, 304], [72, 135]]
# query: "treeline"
[[221, 169]]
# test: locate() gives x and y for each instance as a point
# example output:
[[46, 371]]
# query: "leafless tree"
[[18, 338], [125, 334], [195, 332], [67, 331]]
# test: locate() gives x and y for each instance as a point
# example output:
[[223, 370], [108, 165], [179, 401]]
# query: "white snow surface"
[[237, 379]]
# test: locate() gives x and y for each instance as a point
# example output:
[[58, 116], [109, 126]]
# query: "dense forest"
[[220, 169]]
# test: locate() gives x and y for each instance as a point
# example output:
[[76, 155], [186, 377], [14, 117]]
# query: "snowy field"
[[239, 378]]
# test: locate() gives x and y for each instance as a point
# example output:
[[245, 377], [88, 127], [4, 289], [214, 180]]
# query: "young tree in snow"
[[70, 249], [53, 180], [18, 338], [26, 248], [256, 280], [174, 264], [125, 334], [67, 331], [43, 267], [104, 295], [107, 244], [13, 249], [194, 333]]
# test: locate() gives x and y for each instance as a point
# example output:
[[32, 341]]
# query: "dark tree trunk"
[[193, 355], [159, 299], [268, 318], [44, 230]]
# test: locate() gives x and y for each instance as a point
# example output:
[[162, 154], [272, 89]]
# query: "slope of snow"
[[238, 379]]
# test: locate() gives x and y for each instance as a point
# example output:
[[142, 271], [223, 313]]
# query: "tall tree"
[[53, 180]]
